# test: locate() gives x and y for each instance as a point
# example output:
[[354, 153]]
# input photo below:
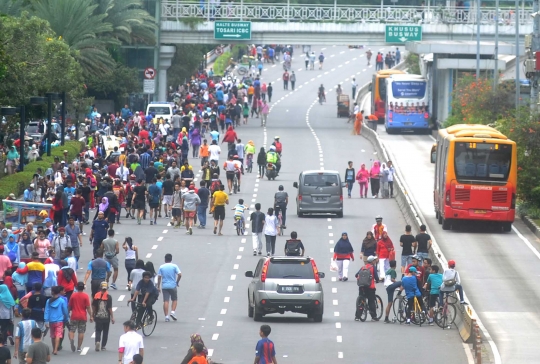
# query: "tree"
[[116, 85], [187, 60]]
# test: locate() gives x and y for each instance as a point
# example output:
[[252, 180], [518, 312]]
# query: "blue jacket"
[[56, 310]]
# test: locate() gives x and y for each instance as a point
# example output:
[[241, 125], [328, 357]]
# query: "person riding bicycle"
[[249, 151], [281, 200], [230, 167], [321, 92], [409, 283], [239, 170], [146, 294], [239, 211], [451, 282], [366, 278]]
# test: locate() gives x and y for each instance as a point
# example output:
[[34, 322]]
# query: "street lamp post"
[[36, 100], [22, 112], [63, 111]]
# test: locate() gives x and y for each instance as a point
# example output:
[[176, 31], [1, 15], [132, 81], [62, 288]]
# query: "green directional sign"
[[403, 33], [232, 30]]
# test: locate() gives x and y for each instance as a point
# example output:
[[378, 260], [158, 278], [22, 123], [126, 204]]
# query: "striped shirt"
[[265, 351], [144, 160], [24, 332]]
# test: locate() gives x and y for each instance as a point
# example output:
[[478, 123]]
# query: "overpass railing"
[[212, 10]]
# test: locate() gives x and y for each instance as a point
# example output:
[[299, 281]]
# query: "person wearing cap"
[[278, 145], [378, 227], [281, 200], [29, 193], [409, 283], [419, 268], [451, 282], [103, 316], [79, 307], [369, 291]]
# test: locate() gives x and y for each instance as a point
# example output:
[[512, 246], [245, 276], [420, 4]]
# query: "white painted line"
[[335, 302], [160, 239], [329, 219], [243, 241], [329, 227], [334, 290], [338, 325], [247, 226], [336, 314], [339, 354], [121, 298], [256, 185], [215, 337], [331, 250], [148, 255], [211, 351], [331, 241], [154, 247], [85, 350], [256, 180], [227, 299], [254, 195], [114, 309], [241, 249], [330, 234], [253, 200], [236, 266], [364, 70], [93, 335], [333, 69], [220, 323], [201, 319], [165, 231], [223, 311], [339, 339], [238, 257], [229, 288], [233, 277]]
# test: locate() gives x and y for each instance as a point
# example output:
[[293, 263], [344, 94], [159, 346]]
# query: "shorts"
[[170, 294], [56, 329], [111, 218], [139, 205], [433, 298], [406, 260], [176, 212], [188, 214], [153, 205], [390, 290], [167, 200], [230, 175], [77, 325], [219, 213], [77, 217], [113, 261]]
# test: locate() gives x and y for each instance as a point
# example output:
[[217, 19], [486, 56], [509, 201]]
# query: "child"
[[23, 336], [198, 354], [265, 349], [70, 259], [435, 281], [389, 283], [204, 153], [239, 211], [20, 278], [36, 304]]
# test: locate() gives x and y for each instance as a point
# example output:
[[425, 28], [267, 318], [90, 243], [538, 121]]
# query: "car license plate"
[[290, 289], [320, 198], [408, 124], [480, 211]]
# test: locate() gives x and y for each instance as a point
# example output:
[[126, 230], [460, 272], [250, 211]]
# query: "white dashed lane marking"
[[223, 311], [165, 231], [154, 247], [121, 298], [227, 299], [233, 277], [220, 323], [149, 255], [338, 325], [339, 354], [215, 337], [85, 350], [229, 288], [339, 338]]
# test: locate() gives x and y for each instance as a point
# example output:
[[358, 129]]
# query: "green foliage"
[[187, 60], [116, 85], [192, 22], [16, 183], [412, 60], [221, 63]]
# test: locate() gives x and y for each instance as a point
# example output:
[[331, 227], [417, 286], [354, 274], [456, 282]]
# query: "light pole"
[[22, 112], [37, 100], [63, 124]]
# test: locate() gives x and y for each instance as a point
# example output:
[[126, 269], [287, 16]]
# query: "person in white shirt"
[[215, 151], [122, 173], [354, 85], [129, 344], [271, 226]]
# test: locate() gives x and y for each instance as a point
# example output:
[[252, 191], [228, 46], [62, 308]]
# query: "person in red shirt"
[[230, 137], [384, 248], [67, 278], [111, 169], [76, 210], [79, 307], [420, 271], [143, 134]]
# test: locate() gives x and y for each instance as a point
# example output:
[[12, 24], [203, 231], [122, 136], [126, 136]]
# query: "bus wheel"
[[446, 224], [437, 214], [440, 219], [506, 227]]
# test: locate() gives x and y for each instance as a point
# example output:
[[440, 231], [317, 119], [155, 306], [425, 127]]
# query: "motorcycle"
[[271, 172]]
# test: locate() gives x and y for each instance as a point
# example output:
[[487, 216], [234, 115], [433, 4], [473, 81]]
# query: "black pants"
[[292, 84], [282, 206], [375, 186], [95, 285], [369, 293], [270, 243], [285, 84], [391, 187], [141, 309], [102, 332], [5, 325], [410, 305], [269, 97], [262, 169], [307, 63]]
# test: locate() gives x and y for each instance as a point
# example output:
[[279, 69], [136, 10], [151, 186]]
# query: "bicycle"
[[400, 302], [418, 316], [240, 227], [363, 307], [249, 167], [445, 316], [148, 325], [235, 182], [280, 221]]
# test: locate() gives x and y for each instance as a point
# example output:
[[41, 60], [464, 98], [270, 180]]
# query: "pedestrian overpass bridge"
[[193, 22]]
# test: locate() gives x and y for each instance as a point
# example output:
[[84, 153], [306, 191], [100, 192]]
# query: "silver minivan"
[[319, 192], [281, 284]]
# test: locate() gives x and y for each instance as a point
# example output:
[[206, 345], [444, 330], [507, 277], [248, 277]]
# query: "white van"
[[161, 109]]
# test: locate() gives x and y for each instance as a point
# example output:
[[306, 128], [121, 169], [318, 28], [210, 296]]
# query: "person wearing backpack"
[[103, 316], [294, 246], [366, 278], [343, 254], [451, 282]]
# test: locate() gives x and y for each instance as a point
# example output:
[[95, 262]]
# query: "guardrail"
[[261, 12], [466, 322]]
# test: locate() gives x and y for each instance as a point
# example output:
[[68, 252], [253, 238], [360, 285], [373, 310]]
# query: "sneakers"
[[267, 254], [72, 343], [260, 252], [345, 279], [387, 321], [254, 253], [173, 316], [151, 222], [431, 323], [340, 279], [167, 319], [113, 286], [190, 230], [408, 322], [375, 319], [155, 222], [98, 346], [215, 230], [356, 319], [128, 287], [463, 302]]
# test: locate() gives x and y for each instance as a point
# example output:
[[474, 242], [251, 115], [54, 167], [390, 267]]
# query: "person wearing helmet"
[[278, 145], [378, 227], [451, 282], [281, 200], [273, 157]]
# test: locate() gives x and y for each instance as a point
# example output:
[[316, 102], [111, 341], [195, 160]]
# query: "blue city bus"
[[407, 104]]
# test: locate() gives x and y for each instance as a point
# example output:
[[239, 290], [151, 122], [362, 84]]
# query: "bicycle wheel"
[[379, 307], [361, 308], [399, 309], [418, 317], [445, 318], [238, 227], [149, 326]]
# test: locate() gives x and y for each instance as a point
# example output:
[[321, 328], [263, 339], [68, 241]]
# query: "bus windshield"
[[159, 110], [482, 161]]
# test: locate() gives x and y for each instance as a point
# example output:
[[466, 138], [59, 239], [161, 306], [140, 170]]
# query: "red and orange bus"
[[475, 176], [379, 92]]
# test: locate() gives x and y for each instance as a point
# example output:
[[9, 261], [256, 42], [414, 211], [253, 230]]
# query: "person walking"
[[424, 242], [7, 303], [100, 270], [169, 276], [111, 248], [257, 219], [38, 351], [354, 85], [375, 175], [385, 248], [398, 56], [132, 255], [391, 173], [384, 181], [306, 60], [368, 56], [292, 79], [261, 162], [219, 200], [79, 306], [98, 232], [408, 242], [363, 180], [190, 203], [23, 336], [285, 79], [271, 229], [265, 351], [129, 344], [204, 196], [321, 60], [343, 254], [265, 110], [349, 177], [56, 313], [369, 247], [270, 90], [103, 316]]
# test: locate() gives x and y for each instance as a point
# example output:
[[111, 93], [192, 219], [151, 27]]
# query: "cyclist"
[[230, 169], [249, 151], [239, 211], [321, 93], [391, 284], [409, 283], [281, 200], [146, 294], [434, 281], [451, 282], [239, 169], [366, 278]]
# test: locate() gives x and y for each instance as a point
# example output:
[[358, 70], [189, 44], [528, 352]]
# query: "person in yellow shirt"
[[219, 200], [204, 152], [249, 151]]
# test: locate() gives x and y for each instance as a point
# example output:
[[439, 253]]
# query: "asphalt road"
[[212, 293], [499, 270]]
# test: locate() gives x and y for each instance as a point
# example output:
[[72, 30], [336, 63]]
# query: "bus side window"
[[433, 153]]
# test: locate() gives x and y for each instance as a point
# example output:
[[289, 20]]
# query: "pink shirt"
[[42, 246], [5, 264]]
